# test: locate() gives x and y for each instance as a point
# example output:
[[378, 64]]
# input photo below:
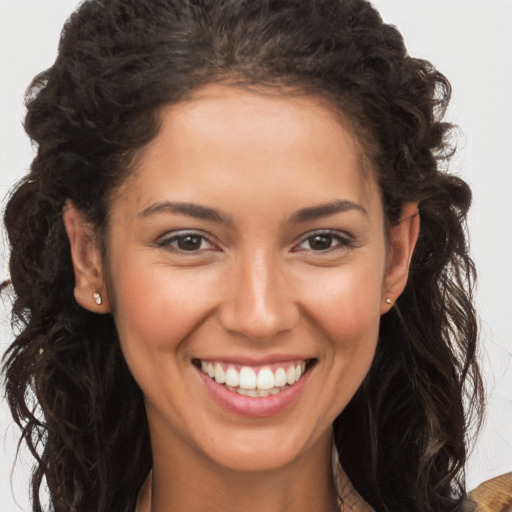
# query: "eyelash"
[[343, 242], [167, 243]]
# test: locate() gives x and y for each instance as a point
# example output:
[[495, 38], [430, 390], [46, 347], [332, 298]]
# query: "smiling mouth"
[[255, 382]]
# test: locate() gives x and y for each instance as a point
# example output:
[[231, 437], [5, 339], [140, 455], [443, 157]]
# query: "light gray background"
[[468, 40]]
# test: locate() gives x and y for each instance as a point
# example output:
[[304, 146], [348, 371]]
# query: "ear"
[[402, 240], [90, 291]]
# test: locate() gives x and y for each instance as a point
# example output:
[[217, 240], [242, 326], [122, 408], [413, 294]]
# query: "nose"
[[258, 299]]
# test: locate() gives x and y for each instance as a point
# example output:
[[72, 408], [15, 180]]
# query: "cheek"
[[155, 307], [344, 313], [346, 304], [155, 310]]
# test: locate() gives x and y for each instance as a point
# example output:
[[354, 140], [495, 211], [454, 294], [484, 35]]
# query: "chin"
[[261, 450]]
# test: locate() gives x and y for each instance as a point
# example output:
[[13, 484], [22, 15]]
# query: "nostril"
[[257, 302], [258, 323]]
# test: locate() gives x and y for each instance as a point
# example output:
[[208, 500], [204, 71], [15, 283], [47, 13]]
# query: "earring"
[[389, 301], [97, 298]]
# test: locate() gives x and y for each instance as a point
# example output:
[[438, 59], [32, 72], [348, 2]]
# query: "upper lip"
[[256, 361]]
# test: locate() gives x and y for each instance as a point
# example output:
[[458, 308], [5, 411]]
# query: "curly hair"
[[96, 108]]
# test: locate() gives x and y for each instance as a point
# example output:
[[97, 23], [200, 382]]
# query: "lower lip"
[[254, 407]]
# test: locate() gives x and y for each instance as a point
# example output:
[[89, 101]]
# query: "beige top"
[[494, 495], [352, 500]]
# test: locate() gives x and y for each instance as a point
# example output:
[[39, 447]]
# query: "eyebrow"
[[189, 209], [206, 213], [324, 210]]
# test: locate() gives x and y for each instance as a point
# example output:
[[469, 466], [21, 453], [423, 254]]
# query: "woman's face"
[[249, 247]]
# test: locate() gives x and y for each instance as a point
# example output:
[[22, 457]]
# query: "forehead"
[[225, 138], [285, 113]]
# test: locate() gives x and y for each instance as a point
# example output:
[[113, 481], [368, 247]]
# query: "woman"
[[246, 201]]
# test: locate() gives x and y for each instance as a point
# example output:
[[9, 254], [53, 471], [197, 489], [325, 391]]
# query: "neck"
[[188, 485]]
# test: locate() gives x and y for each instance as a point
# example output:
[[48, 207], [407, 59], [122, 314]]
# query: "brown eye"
[[324, 241], [320, 242], [187, 242]]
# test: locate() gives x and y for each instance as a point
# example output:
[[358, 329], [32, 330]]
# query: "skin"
[[256, 286]]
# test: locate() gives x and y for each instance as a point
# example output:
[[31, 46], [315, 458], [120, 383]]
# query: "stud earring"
[[97, 298], [389, 301]]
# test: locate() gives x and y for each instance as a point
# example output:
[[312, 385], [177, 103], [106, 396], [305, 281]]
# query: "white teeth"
[[220, 376], [232, 377], [247, 378], [265, 379], [290, 375], [248, 392], [280, 377], [256, 392], [264, 383]]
